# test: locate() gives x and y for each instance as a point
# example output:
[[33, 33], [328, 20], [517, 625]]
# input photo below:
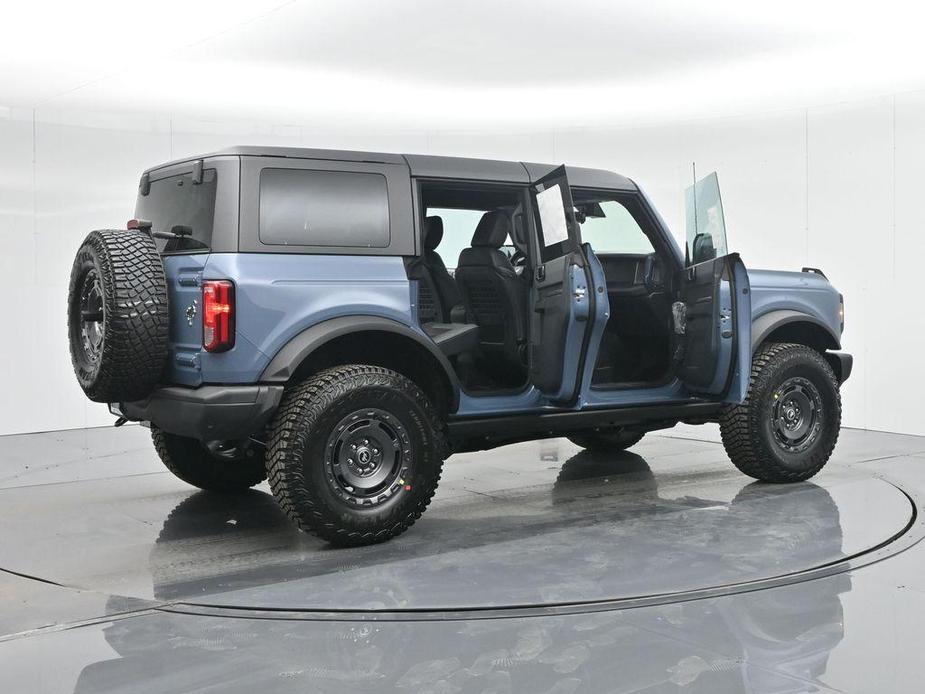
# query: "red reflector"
[[217, 315], [142, 224]]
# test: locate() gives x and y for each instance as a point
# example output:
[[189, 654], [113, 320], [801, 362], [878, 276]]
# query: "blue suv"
[[289, 314]]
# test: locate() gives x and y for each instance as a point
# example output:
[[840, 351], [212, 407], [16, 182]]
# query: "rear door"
[[562, 301]]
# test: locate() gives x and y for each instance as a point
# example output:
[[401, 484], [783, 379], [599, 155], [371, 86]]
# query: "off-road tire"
[[613, 440], [747, 428], [131, 346], [309, 418], [192, 462]]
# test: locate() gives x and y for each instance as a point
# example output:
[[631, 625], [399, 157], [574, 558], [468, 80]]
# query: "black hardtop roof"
[[430, 166]]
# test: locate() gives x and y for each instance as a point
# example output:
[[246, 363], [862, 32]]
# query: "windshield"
[[706, 224], [177, 204]]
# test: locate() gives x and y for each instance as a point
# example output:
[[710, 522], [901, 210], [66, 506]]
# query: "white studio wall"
[[835, 187]]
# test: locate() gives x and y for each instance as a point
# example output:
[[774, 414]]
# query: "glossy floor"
[[538, 568]]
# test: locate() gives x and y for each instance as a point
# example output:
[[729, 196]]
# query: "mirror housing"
[[702, 248]]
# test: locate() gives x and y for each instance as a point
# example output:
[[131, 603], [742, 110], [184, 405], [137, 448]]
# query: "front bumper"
[[841, 364], [207, 413]]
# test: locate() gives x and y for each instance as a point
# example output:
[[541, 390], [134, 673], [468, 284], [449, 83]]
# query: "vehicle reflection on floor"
[[743, 642]]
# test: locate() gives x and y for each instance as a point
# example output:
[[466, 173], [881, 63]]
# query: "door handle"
[[540, 273]]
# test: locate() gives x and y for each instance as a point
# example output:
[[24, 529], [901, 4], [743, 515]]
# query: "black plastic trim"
[[814, 270], [769, 322], [207, 413], [841, 364], [287, 360], [477, 433]]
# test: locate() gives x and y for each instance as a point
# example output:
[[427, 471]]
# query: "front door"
[[715, 302], [562, 299], [717, 332]]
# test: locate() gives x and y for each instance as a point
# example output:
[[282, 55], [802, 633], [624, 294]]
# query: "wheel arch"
[[793, 326], [368, 340]]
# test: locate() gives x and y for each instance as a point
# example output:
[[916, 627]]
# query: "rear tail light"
[[217, 315]]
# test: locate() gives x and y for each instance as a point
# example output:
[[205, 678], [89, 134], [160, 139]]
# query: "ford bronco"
[[289, 314]]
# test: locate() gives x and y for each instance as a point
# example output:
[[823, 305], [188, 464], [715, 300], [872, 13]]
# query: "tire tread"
[[301, 407], [137, 317], [740, 426]]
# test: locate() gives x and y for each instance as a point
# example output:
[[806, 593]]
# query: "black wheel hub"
[[91, 316], [368, 457], [796, 414]]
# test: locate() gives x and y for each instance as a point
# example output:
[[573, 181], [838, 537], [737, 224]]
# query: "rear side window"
[[323, 208], [175, 202]]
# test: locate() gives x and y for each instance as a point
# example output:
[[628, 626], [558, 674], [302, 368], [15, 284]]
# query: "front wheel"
[[355, 454], [787, 427]]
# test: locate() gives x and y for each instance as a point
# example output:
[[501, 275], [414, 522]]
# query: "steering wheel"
[[519, 259]]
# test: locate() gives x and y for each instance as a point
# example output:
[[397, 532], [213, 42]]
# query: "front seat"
[[494, 295]]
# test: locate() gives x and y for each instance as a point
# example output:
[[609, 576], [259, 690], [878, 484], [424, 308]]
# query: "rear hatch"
[[181, 208]]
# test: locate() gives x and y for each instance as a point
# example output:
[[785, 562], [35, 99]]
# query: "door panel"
[[717, 303], [557, 331], [742, 309], [562, 303]]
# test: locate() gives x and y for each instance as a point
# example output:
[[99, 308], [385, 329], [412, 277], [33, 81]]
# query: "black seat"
[[494, 295], [443, 283], [438, 296]]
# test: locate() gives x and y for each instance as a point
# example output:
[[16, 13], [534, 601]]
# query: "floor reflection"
[[733, 644], [209, 544]]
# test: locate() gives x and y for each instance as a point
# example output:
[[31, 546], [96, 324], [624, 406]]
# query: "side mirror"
[[702, 249]]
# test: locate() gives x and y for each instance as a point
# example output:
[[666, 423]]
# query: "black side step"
[[478, 433]]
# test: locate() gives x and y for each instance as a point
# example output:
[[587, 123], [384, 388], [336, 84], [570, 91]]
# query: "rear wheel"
[[355, 454], [233, 469], [609, 440], [786, 429]]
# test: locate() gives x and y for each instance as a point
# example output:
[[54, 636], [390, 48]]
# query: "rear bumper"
[[207, 413], [841, 364]]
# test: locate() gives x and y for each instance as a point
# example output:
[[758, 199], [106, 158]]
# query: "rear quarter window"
[[301, 207]]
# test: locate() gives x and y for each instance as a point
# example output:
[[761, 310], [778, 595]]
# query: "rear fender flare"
[[282, 367]]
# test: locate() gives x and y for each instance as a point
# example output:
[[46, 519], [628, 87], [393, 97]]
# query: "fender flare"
[[293, 353], [771, 321]]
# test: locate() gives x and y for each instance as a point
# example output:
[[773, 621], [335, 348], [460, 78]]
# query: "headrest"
[[493, 229], [433, 232]]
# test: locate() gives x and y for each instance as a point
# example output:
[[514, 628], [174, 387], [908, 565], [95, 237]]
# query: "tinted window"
[[177, 202], [323, 208]]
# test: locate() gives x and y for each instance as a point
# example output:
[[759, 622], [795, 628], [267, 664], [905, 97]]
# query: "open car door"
[[716, 328], [713, 315], [562, 299]]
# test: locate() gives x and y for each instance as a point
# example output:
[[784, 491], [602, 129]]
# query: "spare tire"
[[117, 315]]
